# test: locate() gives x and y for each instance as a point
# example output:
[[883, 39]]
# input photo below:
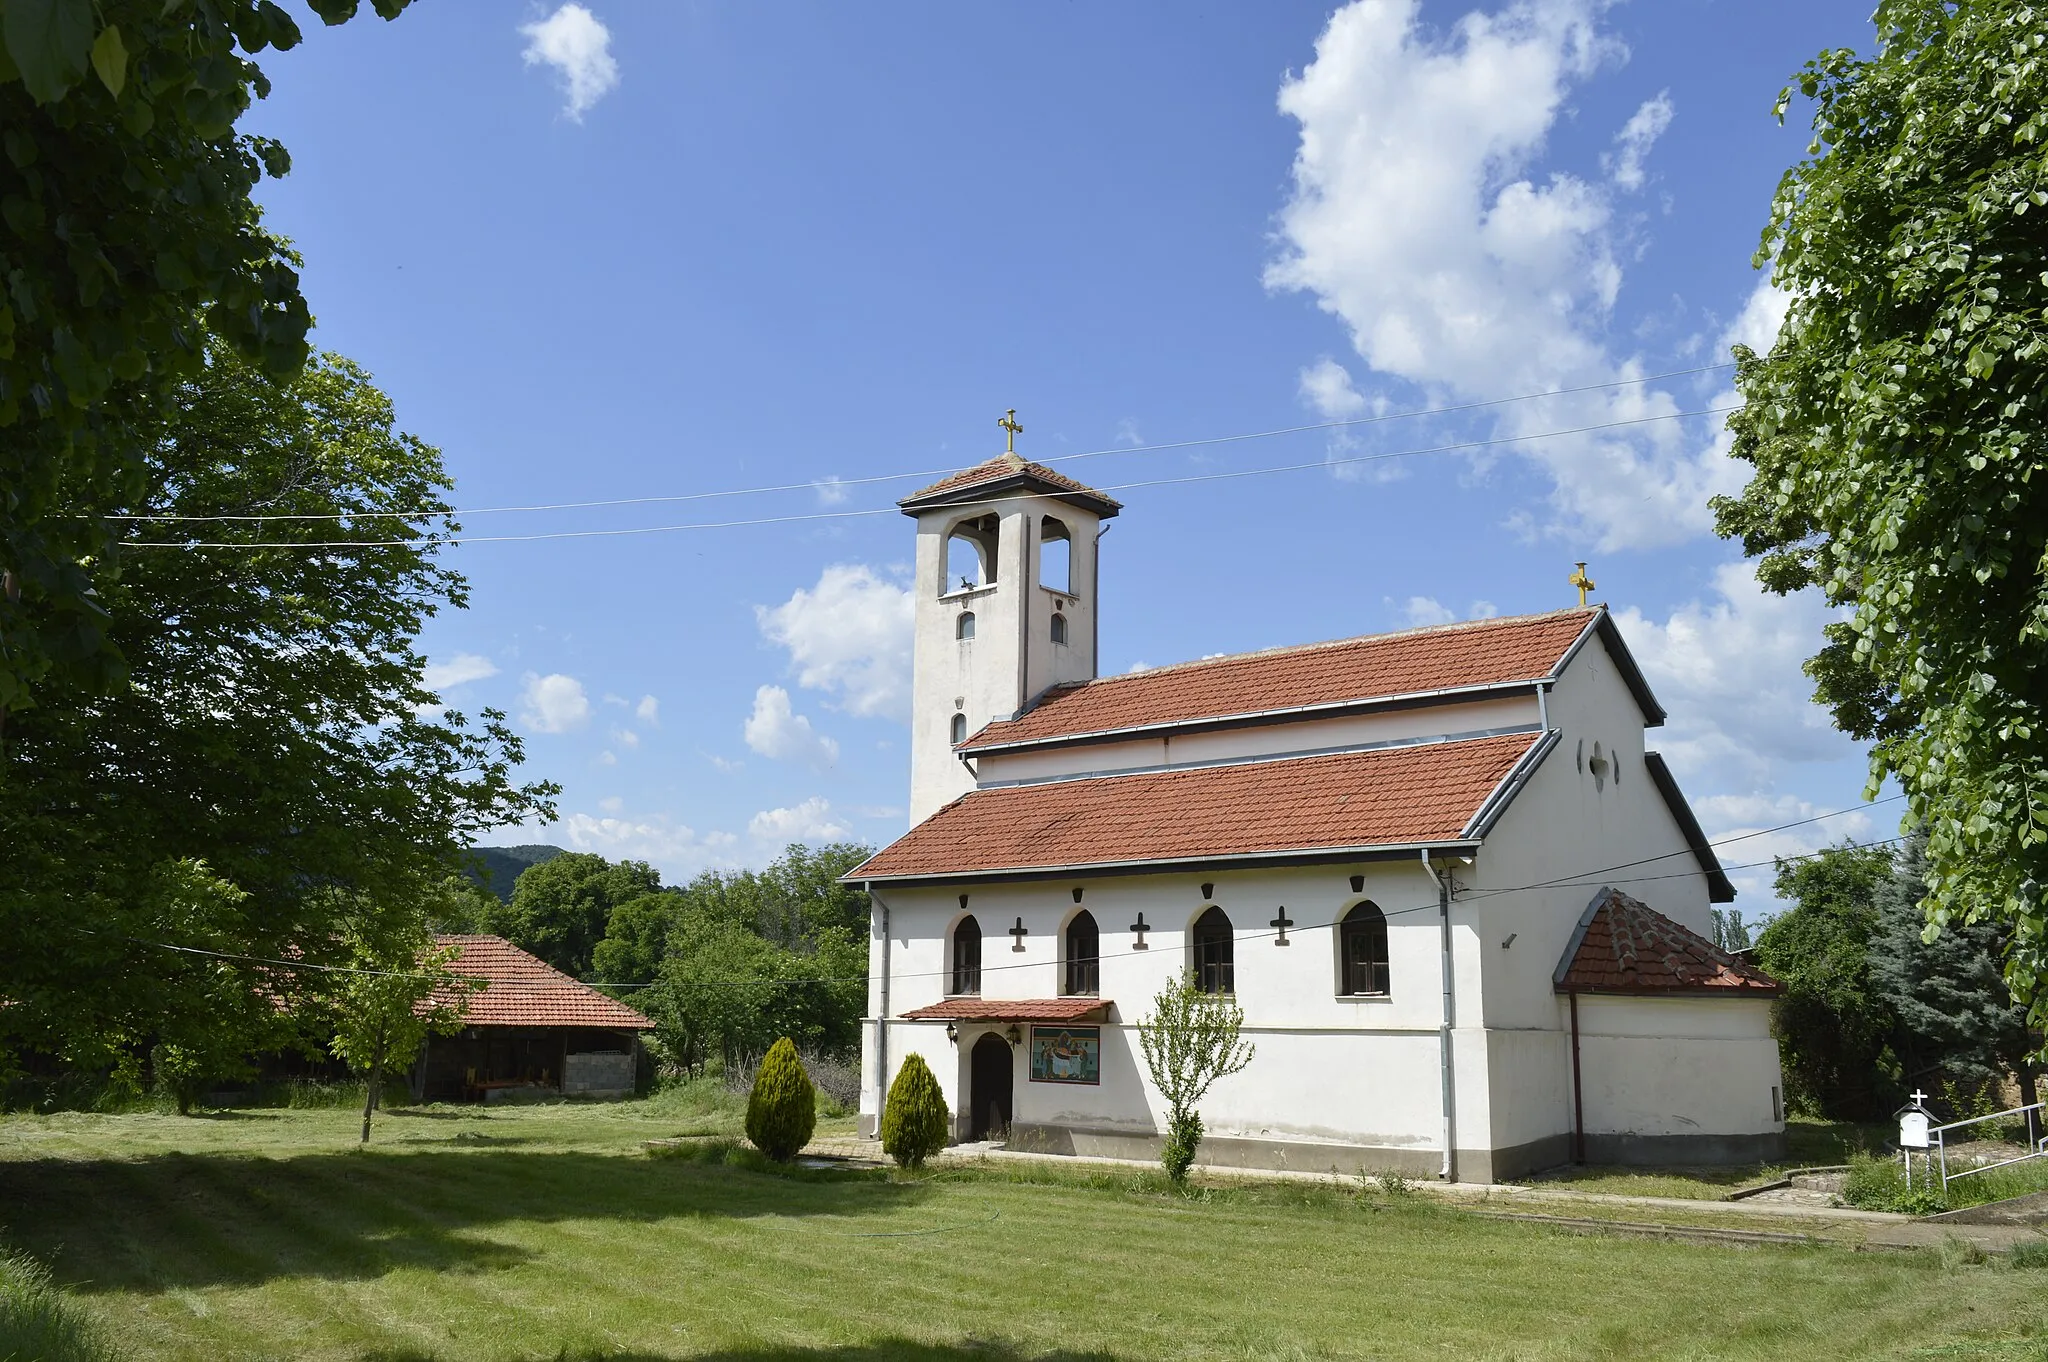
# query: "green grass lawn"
[[546, 1232], [1809, 1144]]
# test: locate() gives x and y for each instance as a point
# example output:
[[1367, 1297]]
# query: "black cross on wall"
[[1140, 929], [1282, 923], [1018, 933]]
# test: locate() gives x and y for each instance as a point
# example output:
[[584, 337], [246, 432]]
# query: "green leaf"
[[110, 59], [48, 40]]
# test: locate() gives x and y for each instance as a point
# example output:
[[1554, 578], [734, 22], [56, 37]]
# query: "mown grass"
[[545, 1232], [1809, 1144]]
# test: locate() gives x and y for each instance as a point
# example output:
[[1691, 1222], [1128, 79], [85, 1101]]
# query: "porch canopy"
[[1014, 1010]]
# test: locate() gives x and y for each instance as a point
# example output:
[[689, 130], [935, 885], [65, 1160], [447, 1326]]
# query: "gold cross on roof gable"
[[1011, 430], [1580, 580]]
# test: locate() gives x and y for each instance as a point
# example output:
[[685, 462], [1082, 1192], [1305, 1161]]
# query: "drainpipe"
[[1450, 1093], [881, 1014], [1578, 1095]]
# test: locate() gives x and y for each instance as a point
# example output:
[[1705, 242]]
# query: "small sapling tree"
[[1191, 1041], [783, 1108], [400, 992], [915, 1122]]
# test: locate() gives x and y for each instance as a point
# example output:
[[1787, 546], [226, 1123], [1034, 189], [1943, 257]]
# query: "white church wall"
[[1306, 735], [1661, 1075]]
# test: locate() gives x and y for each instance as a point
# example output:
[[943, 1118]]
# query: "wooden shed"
[[531, 1030]]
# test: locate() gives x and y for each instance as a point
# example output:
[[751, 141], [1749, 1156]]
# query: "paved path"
[[1747, 1221]]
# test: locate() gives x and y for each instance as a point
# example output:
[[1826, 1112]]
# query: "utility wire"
[[433, 541], [1430, 907], [931, 472]]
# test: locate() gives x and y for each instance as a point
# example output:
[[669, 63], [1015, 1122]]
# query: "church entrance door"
[[991, 1070]]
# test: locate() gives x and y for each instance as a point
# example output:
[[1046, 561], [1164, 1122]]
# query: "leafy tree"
[[1731, 933], [915, 1123], [561, 907], [1899, 433], [460, 905], [128, 218], [636, 941], [782, 1110], [398, 992], [1833, 1027], [1191, 1040], [1956, 1017], [274, 728]]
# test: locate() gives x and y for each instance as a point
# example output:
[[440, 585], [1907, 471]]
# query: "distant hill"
[[495, 868]]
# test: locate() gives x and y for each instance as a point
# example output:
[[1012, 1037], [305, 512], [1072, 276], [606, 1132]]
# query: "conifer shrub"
[[915, 1121], [783, 1108]]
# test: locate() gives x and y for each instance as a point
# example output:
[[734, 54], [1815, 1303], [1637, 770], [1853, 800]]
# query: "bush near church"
[[782, 1111], [915, 1122]]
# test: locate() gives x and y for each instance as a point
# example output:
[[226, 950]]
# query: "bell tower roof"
[[1008, 473]]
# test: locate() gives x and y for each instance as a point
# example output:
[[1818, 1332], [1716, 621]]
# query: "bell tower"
[[1006, 598]]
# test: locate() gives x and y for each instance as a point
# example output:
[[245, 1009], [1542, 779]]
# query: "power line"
[[439, 540], [155, 518], [1430, 907]]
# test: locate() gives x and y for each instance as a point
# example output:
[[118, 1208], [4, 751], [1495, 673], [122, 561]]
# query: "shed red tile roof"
[[1623, 945], [1348, 671], [1397, 796], [525, 991], [1006, 468], [1012, 1009]]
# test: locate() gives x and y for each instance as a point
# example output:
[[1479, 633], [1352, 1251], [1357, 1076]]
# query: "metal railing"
[[2037, 1143]]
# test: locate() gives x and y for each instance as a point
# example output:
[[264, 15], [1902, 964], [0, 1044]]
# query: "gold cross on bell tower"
[[1011, 430], [1580, 580]]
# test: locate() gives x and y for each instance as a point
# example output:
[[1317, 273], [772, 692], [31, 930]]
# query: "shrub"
[[2030, 1254], [783, 1109], [1183, 1137], [1880, 1185], [38, 1321], [915, 1121]]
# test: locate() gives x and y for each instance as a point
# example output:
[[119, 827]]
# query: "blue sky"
[[640, 250]]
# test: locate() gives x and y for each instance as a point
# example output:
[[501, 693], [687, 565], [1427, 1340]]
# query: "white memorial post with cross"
[[1913, 1132]]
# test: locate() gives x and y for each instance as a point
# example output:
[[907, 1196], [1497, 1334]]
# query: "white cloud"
[[848, 636], [1738, 825], [1422, 219], [1632, 144], [1326, 387], [625, 737], [607, 758], [726, 764], [778, 732], [1757, 324], [648, 711], [553, 704], [578, 46], [611, 804], [671, 845], [1729, 673], [459, 670], [832, 491], [1427, 610], [808, 821]]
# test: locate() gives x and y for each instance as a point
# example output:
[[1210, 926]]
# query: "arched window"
[[965, 628], [1363, 938], [970, 555], [1059, 628], [959, 729], [1215, 953], [967, 956], [1055, 555], [1084, 955]]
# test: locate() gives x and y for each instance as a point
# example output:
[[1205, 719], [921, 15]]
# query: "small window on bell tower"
[[1059, 628], [965, 627], [959, 729]]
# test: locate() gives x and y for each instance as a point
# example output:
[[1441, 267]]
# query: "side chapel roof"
[[527, 991], [1439, 793], [1009, 473], [1622, 945], [1376, 670]]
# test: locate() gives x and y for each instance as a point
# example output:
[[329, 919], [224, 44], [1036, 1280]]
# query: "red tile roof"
[[1005, 468], [1426, 793], [1349, 671], [1625, 946], [524, 991], [1012, 1009]]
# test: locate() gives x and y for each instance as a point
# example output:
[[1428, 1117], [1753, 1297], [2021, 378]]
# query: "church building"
[[1466, 912]]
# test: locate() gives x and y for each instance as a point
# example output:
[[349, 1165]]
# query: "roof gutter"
[[1452, 846]]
